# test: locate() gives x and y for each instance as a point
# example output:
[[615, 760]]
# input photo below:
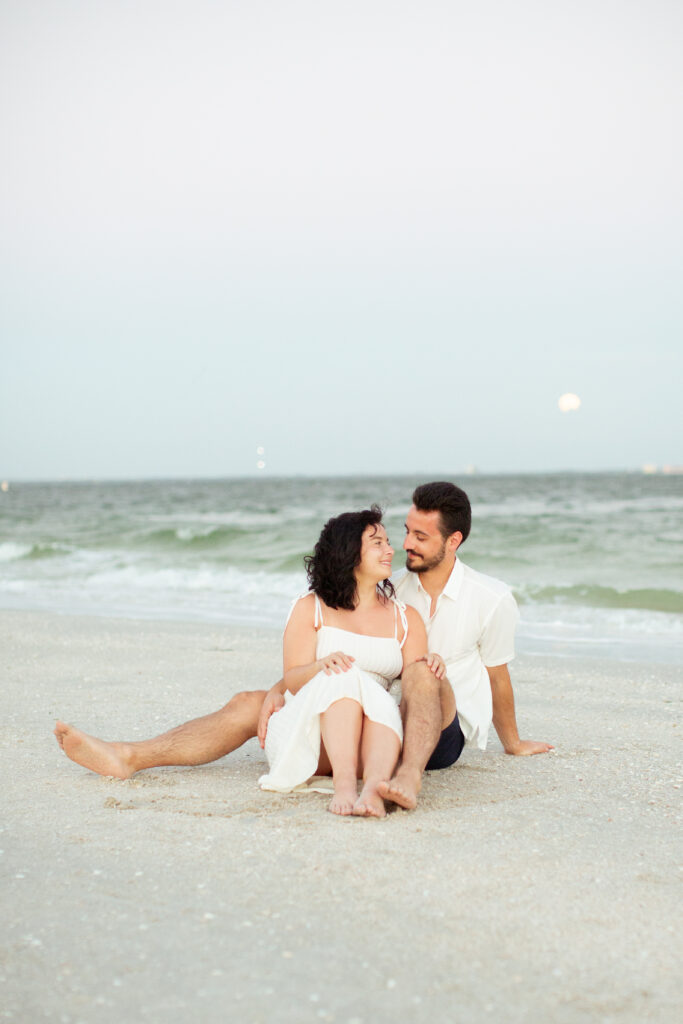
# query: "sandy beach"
[[543, 888]]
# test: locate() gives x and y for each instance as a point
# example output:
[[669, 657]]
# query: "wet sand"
[[536, 888]]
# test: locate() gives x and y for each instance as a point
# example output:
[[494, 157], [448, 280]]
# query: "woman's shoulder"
[[302, 609]]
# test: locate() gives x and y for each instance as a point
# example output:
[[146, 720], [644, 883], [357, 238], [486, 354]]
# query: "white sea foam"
[[11, 550], [102, 585], [627, 633], [97, 585]]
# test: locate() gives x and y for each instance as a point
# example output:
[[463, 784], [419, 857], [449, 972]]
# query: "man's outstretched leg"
[[427, 707], [197, 742]]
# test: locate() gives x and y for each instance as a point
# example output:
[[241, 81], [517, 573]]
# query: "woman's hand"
[[435, 664], [274, 700], [337, 662]]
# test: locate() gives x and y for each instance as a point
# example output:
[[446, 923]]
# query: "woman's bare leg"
[[379, 750], [340, 727], [197, 742]]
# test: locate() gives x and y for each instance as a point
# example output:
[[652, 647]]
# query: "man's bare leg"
[[427, 707], [197, 742]]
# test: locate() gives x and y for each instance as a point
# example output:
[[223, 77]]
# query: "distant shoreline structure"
[[651, 468]]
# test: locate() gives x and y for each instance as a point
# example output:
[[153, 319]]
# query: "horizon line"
[[434, 475]]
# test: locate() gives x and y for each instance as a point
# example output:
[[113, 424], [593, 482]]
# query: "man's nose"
[[406, 545]]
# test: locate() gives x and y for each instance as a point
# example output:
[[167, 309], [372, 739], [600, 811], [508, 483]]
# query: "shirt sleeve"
[[497, 642]]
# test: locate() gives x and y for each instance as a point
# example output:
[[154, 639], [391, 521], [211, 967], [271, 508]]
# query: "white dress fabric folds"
[[293, 736]]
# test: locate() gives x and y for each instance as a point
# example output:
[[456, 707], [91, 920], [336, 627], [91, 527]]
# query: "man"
[[433, 732], [470, 620]]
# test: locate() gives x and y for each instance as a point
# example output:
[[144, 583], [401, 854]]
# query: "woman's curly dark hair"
[[336, 555]]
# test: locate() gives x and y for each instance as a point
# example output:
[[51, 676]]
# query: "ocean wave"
[[245, 518], [233, 550], [11, 551], [245, 544], [216, 581], [184, 537], [578, 507], [594, 596], [14, 551], [203, 593], [96, 585], [291, 564]]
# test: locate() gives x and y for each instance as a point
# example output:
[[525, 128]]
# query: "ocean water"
[[595, 560]]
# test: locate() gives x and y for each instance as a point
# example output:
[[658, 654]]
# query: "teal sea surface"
[[595, 560]]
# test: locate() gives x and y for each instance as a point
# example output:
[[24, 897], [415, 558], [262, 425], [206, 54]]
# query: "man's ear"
[[454, 541]]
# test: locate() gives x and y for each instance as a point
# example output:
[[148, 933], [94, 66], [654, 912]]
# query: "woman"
[[344, 644]]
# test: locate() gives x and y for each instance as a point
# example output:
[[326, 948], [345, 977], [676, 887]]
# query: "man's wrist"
[[512, 746], [509, 738]]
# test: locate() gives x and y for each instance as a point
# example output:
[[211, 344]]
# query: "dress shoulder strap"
[[400, 612], [292, 607], [318, 610], [318, 617]]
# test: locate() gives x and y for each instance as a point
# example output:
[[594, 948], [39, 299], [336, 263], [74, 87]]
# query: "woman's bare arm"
[[299, 661], [298, 650], [298, 646]]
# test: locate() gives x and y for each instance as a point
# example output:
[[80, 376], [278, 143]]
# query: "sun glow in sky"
[[364, 237], [569, 402]]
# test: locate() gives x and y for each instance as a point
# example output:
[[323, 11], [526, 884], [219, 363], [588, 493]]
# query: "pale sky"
[[372, 237]]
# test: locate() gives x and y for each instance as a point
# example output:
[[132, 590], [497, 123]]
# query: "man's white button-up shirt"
[[473, 626]]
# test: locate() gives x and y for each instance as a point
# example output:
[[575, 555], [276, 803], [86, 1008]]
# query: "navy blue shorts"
[[448, 749]]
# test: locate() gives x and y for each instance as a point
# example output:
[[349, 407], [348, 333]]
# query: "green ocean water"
[[595, 560]]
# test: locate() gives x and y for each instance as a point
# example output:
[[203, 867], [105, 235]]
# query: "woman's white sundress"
[[293, 736]]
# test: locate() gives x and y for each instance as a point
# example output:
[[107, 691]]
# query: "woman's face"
[[376, 553]]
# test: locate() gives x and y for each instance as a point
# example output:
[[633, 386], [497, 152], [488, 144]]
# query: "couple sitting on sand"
[[344, 644]]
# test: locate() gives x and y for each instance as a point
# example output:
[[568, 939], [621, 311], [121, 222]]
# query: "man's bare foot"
[[403, 789], [96, 755], [345, 796], [370, 804]]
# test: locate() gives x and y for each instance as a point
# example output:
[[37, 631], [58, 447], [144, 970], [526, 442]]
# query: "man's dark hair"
[[336, 555], [452, 504]]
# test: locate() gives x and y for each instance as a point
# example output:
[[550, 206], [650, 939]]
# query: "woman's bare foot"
[[345, 796], [402, 789], [370, 804], [96, 755]]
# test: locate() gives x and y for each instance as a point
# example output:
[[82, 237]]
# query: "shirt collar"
[[453, 583]]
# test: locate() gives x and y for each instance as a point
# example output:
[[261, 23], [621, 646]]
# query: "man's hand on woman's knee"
[[435, 664]]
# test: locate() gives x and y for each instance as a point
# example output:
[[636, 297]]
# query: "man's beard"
[[425, 564]]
